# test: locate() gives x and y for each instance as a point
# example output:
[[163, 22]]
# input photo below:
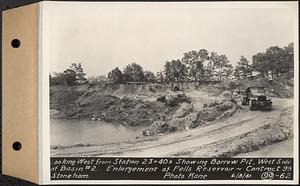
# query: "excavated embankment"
[[163, 111], [160, 109]]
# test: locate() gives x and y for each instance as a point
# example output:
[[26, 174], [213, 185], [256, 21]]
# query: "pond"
[[71, 132]]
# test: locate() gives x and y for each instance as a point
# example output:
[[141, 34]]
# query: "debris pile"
[[185, 117]]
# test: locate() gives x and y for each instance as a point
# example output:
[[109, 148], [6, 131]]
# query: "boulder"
[[187, 122]]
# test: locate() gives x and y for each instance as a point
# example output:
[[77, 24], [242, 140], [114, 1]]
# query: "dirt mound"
[[128, 111], [185, 117], [123, 103], [96, 105], [63, 99], [188, 122], [183, 110], [217, 110]]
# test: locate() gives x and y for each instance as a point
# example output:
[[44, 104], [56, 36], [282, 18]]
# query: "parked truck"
[[256, 98]]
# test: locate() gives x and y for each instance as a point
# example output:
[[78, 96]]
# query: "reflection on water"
[[71, 132]]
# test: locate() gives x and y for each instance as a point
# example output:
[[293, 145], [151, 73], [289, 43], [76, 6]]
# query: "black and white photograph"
[[201, 92], [194, 80]]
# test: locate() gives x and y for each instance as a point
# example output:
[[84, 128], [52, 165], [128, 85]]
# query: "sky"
[[102, 36]]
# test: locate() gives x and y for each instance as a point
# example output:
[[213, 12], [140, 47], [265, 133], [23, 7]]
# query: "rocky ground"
[[243, 132], [207, 121]]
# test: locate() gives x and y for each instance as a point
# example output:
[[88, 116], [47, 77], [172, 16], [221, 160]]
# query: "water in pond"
[[72, 132]]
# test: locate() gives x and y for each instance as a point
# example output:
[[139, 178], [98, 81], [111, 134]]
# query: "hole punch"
[[17, 146], [15, 43]]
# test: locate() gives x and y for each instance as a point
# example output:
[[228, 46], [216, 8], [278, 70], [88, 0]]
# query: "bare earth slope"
[[243, 132]]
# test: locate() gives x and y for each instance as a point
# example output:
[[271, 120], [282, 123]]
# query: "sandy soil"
[[203, 141]]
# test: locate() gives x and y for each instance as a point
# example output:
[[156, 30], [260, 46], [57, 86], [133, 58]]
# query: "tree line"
[[132, 73], [275, 62], [200, 65], [73, 75], [193, 66]]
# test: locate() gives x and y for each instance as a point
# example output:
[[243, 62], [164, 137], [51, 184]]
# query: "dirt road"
[[203, 141]]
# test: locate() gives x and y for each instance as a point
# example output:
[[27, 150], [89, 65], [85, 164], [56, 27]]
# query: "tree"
[[168, 72], [243, 68], [149, 76], [289, 59], [116, 75], [56, 79], [210, 68], [133, 72], [160, 77], [275, 56], [73, 75], [179, 70], [80, 75], [260, 64], [228, 70], [275, 62], [194, 62], [69, 77], [175, 71], [222, 67]]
